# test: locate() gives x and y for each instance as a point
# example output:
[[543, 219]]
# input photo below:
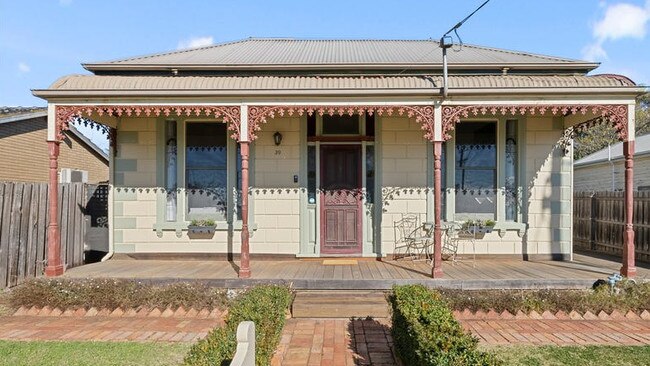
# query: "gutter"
[[53, 93]]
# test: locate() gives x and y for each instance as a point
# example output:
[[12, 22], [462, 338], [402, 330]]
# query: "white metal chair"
[[403, 229], [455, 234]]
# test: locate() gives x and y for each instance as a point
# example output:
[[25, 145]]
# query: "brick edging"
[[548, 315], [142, 312]]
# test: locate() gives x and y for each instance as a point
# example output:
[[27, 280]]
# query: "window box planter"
[[476, 229], [201, 229]]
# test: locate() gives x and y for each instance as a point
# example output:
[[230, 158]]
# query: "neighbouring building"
[[604, 170], [314, 148], [24, 153]]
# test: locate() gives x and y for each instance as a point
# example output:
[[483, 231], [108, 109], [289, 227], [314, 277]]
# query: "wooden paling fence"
[[23, 229], [599, 223]]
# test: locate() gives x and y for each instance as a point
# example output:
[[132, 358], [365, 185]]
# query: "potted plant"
[[202, 227], [477, 228]]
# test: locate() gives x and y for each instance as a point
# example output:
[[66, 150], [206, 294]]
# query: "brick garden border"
[[143, 312], [548, 315]]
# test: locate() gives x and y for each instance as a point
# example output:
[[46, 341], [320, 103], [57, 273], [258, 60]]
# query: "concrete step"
[[340, 304]]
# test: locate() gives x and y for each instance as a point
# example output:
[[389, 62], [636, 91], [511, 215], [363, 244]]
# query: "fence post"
[[593, 207]]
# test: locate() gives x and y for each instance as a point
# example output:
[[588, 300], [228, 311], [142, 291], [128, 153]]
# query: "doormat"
[[338, 262]]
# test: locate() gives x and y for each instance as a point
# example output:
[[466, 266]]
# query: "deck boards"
[[366, 274]]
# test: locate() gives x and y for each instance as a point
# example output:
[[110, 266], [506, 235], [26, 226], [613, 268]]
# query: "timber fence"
[[599, 223], [23, 229]]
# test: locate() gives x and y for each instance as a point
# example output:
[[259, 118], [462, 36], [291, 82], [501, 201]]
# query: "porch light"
[[277, 138]]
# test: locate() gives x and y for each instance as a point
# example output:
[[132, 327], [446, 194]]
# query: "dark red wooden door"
[[341, 199]]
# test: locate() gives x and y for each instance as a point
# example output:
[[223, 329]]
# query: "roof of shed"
[[289, 53], [641, 146]]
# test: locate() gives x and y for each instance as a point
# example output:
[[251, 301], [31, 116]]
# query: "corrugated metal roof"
[[292, 52], [641, 146], [95, 82]]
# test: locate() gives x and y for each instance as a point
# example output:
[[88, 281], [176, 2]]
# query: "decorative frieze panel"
[[258, 115], [67, 114], [616, 114]]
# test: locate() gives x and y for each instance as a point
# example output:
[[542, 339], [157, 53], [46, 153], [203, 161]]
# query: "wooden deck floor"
[[366, 274]]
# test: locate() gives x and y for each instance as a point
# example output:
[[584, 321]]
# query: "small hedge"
[[113, 293], [426, 333], [627, 296], [266, 306]]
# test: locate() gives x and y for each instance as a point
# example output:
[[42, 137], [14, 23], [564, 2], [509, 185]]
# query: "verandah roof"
[[105, 85]]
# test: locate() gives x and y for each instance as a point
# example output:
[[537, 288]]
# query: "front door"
[[340, 193]]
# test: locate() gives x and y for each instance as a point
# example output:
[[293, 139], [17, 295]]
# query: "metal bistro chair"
[[402, 229], [411, 237], [454, 235]]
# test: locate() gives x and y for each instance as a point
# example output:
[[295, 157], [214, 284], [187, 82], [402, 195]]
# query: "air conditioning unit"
[[68, 175]]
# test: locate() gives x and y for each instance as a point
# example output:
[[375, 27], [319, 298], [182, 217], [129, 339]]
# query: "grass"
[[573, 355], [46, 353]]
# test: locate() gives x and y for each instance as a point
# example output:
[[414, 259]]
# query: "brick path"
[[560, 332], [103, 328], [335, 342]]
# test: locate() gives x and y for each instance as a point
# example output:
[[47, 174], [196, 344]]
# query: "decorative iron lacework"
[[257, 115], [66, 114], [616, 114]]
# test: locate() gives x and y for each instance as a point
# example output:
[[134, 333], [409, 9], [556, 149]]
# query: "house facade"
[[315, 148], [24, 155], [604, 170]]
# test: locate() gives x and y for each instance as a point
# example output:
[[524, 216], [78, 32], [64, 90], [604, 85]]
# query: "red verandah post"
[[54, 264], [244, 267], [436, 271], [629, 268]]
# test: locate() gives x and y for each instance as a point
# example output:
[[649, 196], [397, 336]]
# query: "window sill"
[[504, 226], [179, 227]]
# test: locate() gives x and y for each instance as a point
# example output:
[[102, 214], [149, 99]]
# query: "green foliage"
[[114, 293], [266, 307], [426, 333], [598, 137], [208, 222], [626, 296]]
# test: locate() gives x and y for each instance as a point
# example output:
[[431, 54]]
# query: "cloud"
[[619, 21], [195, 42], [23, 68]]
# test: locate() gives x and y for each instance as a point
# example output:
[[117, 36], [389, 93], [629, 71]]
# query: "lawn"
[[578, 356], [43, 353]]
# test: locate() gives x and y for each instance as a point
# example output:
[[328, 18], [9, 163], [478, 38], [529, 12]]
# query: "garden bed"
[[111, 294], [625, 297], [267, 307]]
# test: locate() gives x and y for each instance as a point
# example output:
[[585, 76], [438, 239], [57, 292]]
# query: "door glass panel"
[[370, 174], [311, 174]]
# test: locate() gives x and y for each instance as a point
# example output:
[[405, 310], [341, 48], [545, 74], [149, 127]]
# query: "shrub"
[[266, 307], [627, 296], [114, 293], [426, 333]]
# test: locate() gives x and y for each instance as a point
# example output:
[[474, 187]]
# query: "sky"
[[42, 40]]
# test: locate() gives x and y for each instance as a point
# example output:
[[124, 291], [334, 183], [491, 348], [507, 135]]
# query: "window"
[[476, 170], [340, 125], [206, 170], [370, 174], [171, 163], [511, 190]]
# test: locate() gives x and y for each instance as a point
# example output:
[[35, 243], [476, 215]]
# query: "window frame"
[[500, 216], [183, 217]]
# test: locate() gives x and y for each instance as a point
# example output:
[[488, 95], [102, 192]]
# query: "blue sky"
[[41, 40]]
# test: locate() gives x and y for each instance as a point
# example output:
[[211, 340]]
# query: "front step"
[[340, 304]]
